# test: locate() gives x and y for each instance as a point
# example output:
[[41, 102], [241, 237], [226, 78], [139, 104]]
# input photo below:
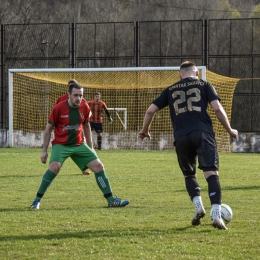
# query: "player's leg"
[[99, 130], [209, 163], [59, 154], [84, 170], [86, 156], [186, 153], [214, 190], [104, 185], [99, 141]]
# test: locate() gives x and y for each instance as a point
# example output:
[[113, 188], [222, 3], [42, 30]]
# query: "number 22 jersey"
[[188, 102]]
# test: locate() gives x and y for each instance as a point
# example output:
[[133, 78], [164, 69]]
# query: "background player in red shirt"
[[69, 119], [66, 97], [97, 106]]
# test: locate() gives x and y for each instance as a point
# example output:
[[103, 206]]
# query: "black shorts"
[[97, 127], [195, 144]]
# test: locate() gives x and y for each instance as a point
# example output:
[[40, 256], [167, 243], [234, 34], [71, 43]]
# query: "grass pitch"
[[75, 223]]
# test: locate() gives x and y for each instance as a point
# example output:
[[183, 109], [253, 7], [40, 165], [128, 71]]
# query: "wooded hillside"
[[88, 11]]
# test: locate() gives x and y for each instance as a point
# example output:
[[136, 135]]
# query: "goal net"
[[127, 92]]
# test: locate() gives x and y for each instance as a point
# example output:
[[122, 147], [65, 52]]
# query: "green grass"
[[75, 223]]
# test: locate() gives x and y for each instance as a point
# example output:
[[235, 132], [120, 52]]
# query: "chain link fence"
[[227, 47]]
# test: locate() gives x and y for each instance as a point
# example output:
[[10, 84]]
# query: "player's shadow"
[[229, 188], [90, 234], [15, 176], [254, 187]]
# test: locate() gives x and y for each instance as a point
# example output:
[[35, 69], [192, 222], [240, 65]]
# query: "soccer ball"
[[226, 213]]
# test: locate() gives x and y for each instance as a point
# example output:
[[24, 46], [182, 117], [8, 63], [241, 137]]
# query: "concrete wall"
[[246, 143]]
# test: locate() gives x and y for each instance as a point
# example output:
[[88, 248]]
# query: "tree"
[[16, 11], [256, 12]]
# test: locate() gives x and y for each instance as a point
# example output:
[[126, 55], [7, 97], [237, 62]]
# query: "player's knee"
[[96, 166], [99, 166], [55, 167]]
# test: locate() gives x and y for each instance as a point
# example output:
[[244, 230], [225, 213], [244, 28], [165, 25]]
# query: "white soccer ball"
[[226, 213]]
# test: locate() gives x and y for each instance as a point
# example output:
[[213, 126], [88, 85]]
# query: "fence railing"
[[217, 44]]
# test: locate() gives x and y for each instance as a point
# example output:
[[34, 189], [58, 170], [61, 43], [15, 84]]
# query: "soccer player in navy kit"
[[69, 119], [193, 135]]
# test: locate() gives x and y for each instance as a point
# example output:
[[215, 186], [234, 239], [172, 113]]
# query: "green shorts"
[[82, 155]]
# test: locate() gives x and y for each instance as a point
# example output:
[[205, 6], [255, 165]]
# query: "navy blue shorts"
[[97, 127], [197, 144]]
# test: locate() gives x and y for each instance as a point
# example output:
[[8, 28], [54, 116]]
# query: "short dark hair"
[[97, 93], [187, 64], [74, 85]]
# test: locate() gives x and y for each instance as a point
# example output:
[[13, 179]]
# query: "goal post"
[[10, 108], [127, 92], [123, 120]]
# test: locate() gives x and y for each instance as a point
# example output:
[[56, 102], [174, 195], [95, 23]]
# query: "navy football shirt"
[[188, 101]]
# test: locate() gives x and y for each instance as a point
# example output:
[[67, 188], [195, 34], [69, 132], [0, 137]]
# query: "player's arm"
[[107, 113], [46, 141], [88, 134], [222, 117], [148, 118], [108, 116]]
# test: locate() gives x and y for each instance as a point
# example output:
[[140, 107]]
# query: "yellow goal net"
[[127, 92]]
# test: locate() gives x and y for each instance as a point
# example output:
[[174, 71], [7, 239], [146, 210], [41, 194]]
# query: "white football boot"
[[217, 221], [200, 211]]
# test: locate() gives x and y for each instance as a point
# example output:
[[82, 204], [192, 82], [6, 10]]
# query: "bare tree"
[[16, 11]]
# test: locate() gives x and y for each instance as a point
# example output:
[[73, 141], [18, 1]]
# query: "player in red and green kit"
[[66, 97], [69, 119]]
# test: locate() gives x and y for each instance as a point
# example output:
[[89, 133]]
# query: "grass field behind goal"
[[74, 221]]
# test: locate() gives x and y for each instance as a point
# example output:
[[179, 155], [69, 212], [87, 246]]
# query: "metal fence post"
[[205, 47], [72, 47], [2, 77], [137, 50]]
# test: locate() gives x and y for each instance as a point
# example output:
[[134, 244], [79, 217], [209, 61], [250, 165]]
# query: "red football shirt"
[[96, 110], [68, 122]]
